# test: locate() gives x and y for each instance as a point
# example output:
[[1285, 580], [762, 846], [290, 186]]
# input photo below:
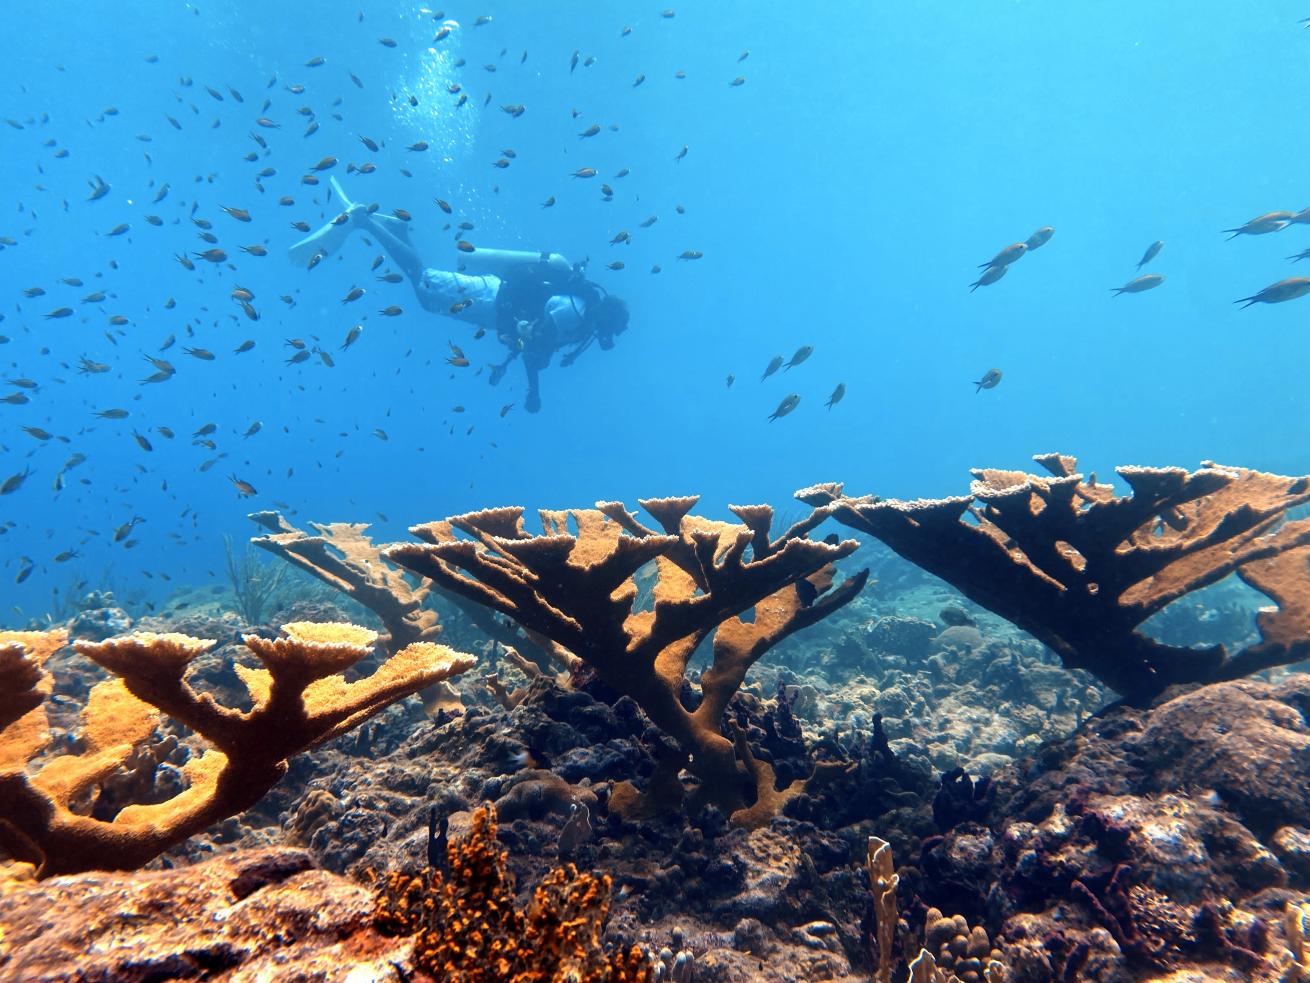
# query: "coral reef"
[[1081, 568], [579, 591], [300, 700]]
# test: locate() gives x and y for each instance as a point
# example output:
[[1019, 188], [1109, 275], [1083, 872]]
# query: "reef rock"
[[250, 915]]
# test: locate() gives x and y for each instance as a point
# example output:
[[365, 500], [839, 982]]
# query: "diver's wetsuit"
[[553, 323]]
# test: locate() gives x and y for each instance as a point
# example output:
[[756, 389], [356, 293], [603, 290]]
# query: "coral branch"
[[578, 591], [1081, 568], [300, 700]]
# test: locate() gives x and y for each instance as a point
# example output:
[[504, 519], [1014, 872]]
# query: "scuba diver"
[[537, 303]]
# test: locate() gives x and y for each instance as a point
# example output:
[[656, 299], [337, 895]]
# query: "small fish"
[[352, 336], [206, 430], [244, 347], [354, 294], [1277, 293], [14, 482], [515, 109], [989, 276], [590, 131], [1144, 282], [244, 488], [98, 189], [253, 429], [464, 246], [326, 359], [15, 399], [649, 222], [616, 265], [66, 555], [316, 61], [255, 250], [119, 229], [418, 147], [837, 395], [393, 311], [298, 357], [1152, 251], [112, 414], [622, 237], [380, 434], [443, 205], [211, 255], [141, 441], [37, 433], [59, 312], [680, 154], [1006, 256], [774, 365], [125, 530], [1262, 224], [1040, 238], [326, 164], [789, 403], [802, 353], [585, 172], [690, 254], [240, 214], [204, 354], [990, 380], [739, 80]]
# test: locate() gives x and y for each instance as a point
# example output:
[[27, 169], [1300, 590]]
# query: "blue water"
[[842, 197]]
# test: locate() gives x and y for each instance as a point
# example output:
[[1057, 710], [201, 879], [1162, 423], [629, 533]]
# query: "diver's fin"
[[327, 239]]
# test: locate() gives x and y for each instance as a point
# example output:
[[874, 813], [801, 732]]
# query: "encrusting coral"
[[578, 593], [1081, 568], [469, 928], [300, 700]]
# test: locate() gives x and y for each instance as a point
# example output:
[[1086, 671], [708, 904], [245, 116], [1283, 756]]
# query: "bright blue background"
[[842, 198]]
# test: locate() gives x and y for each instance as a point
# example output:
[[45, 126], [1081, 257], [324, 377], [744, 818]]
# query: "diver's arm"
[[400, 251]]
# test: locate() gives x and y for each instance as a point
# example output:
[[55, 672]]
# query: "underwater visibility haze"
[[501, 283]]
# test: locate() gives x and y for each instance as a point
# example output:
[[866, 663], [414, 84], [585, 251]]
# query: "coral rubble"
[[1081, 568]]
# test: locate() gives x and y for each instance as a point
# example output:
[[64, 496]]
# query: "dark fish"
[[244, 347], [789, 403], [14, 482], [1262, 224], [1144, 282], [141, 441], [1006, 256], [802, 353], [112, 414], [990, 380], [731, 379], [549, 202], [59, 312], [253, 429], [989, 276], [352, 336], [690, 254], [204, 354], [1152, 251], [240, 214], [680, 154], [837, 395], [316, 61], [774, 365], [1040, 238], [393, 311], [244, 488], [1277, 293], [354, 294]]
